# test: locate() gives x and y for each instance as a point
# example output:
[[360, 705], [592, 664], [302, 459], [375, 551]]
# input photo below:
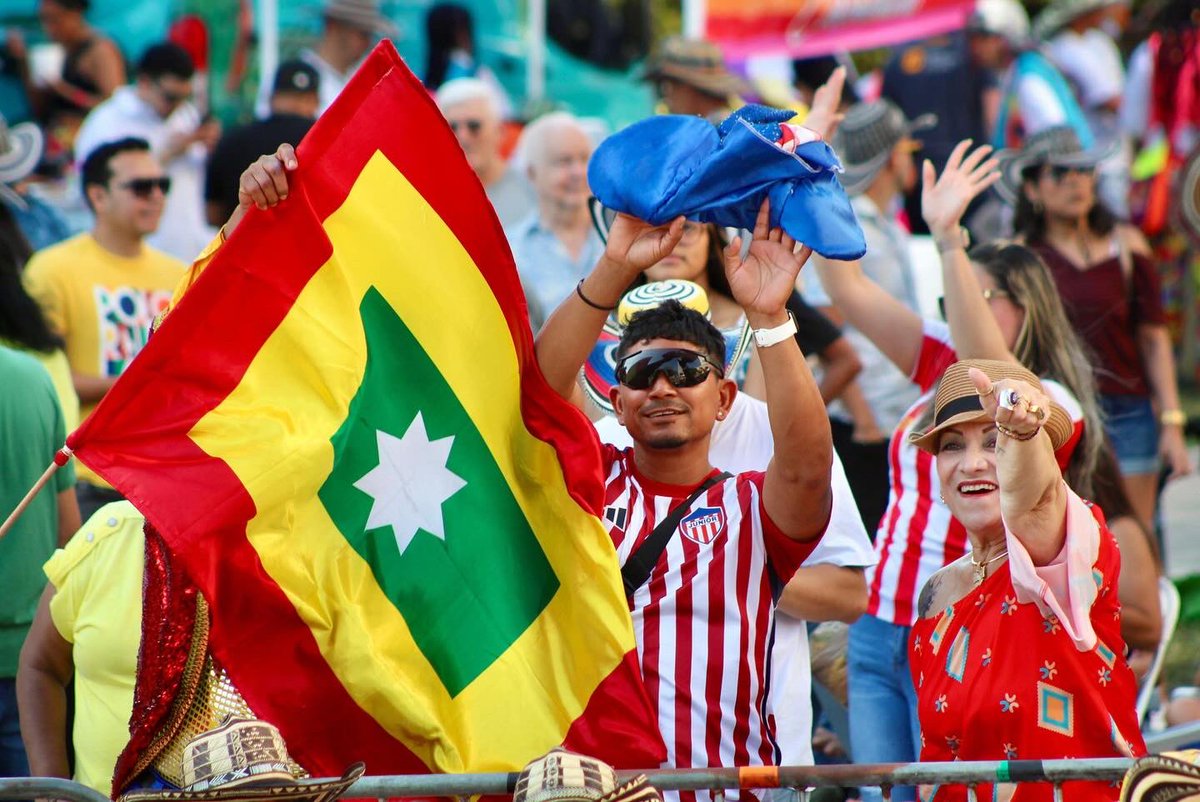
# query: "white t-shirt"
[[183, 230], [743, 442]]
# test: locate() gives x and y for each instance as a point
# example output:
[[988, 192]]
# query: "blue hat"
[[672, 165]]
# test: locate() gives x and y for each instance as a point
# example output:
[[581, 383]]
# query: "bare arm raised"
[[796, 492]]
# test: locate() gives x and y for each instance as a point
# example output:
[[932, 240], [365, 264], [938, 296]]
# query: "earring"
[[720, 416], [942, 497]]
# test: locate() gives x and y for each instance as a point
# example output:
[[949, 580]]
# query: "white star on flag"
[[410, 484]]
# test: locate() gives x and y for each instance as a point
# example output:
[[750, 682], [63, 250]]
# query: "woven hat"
[[697, 63], [20, 150], [957, 401], [361, 14], [244, 760], [865, 139], [1169, 777], [1061, 13], [1059, 146], [563, 776]]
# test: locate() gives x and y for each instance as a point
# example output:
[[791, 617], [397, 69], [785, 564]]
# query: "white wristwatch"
[[767, 337]]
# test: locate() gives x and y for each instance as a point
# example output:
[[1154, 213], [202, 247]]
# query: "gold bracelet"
[[1172, 417], [1015, 435]]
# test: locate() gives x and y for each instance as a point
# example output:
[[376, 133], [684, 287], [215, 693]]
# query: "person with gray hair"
[[473, 110], [555, 245]]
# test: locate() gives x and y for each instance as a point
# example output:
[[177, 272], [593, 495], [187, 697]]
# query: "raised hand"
[[766, 278], [944, 201], [635, 244], [823, 116], [263, 184], [1017, 407]]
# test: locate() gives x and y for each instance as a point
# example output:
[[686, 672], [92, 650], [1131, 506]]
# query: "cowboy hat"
[[564, 776], [865, 139], [1061, 13], [1058, 146], [244, 760], [361, 14], [957, 401], [697, 63]]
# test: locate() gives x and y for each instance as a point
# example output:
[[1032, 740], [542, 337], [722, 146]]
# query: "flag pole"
[[61, 457]]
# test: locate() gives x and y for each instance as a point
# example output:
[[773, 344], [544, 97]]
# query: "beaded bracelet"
[[1015, 435]]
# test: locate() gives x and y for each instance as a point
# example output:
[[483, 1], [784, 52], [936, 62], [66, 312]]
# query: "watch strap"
[[764, 338]]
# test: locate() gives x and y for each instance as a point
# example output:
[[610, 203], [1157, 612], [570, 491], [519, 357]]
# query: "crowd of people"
[[974, 492]]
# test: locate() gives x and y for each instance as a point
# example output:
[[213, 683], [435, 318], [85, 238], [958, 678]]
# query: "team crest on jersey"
[[703, 525]]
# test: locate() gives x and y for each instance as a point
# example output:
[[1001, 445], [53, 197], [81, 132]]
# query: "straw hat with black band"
[[866, 137], [1058, 146], [957, 401]]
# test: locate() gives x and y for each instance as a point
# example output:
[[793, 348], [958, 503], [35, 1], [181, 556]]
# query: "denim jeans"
[[883, 701], [12, 750]]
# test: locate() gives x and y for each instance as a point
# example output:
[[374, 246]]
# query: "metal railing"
[[885, 775]]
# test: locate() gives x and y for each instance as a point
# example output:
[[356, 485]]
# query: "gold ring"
[[1034, 409], [991, 389]]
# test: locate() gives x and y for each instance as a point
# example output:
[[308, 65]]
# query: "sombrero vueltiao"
[[244, 760], [1169, 777], [600, 369]]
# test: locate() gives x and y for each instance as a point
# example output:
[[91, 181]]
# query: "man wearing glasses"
[[472, 109], [158, 109], [101, 290], [703, 601]]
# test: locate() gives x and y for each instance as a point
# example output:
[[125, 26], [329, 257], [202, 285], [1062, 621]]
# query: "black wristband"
[[589, 301]]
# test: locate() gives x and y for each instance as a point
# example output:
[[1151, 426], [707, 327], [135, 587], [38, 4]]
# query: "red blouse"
[[998, 681]]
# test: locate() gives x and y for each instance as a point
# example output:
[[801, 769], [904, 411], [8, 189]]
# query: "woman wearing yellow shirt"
[[88, 626]]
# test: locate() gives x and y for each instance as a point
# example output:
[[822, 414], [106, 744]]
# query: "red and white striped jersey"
[[917, 535], [704, 621]]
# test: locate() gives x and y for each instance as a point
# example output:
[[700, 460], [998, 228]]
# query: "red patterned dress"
[[1001, 678]]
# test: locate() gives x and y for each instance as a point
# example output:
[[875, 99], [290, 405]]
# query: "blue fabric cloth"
[[883, 702], [671, 165]]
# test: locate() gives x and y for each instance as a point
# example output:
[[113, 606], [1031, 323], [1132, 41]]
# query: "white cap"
[[1005, 18]]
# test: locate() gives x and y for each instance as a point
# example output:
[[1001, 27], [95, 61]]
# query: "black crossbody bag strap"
[[637, 568]]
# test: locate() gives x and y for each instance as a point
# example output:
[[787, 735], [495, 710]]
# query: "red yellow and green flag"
[[342, 434]]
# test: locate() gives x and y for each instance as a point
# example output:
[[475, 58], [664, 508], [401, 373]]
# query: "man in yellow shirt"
[[102, 289]]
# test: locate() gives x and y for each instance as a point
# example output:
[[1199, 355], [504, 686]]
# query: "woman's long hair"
[[21, 320], [1048, 346], [446, 26], [714, 263], [1029, 221]]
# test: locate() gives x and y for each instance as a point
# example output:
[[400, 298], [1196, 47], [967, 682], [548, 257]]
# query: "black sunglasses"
[[474, 126], [682, 368], [1058, 172], [144, 187]]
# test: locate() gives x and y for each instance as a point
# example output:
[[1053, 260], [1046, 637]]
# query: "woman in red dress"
[[1018, 653]]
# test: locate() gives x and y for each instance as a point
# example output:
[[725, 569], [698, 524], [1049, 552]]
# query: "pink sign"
[[805, 28]]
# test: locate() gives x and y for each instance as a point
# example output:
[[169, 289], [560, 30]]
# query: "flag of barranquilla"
[[342, 434]]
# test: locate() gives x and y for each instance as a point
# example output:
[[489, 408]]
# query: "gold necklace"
[[981, 567]]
